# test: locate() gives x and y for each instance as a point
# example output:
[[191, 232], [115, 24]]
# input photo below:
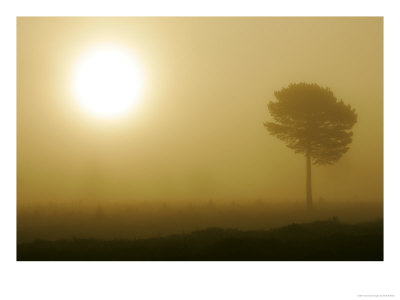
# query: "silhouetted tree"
[[311, 121]]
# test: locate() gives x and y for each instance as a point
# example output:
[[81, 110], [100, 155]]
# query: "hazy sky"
[[198, 131]]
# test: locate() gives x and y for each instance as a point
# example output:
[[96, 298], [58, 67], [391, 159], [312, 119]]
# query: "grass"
[[328, 240]]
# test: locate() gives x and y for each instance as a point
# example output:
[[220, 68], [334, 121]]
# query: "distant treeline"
[[318, 241]]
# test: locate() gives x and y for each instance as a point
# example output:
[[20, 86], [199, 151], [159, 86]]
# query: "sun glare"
[[107, 81]]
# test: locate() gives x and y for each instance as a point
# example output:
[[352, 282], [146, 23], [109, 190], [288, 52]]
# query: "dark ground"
[[318, 241]]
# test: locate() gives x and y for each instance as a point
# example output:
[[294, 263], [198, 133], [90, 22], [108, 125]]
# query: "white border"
[[265, 280]]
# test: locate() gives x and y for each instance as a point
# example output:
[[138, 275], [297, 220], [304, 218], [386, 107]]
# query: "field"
[[121, 220], [318, 241], [256, 230]]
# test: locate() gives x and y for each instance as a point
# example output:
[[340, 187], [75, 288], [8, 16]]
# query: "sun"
[[107, 81]]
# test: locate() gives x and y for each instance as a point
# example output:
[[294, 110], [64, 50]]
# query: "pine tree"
[[311, 121]]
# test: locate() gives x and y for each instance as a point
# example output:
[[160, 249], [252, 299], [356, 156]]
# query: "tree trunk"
[[308, 182]]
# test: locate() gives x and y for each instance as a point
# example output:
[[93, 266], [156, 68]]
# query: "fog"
[[197, 135]]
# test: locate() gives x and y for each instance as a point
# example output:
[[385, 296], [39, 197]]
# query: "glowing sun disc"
[[107, 81]]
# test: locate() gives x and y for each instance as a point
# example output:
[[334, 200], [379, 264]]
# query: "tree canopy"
[[310, 120]]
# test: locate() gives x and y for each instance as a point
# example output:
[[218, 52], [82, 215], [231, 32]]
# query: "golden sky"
[[197, 132]]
